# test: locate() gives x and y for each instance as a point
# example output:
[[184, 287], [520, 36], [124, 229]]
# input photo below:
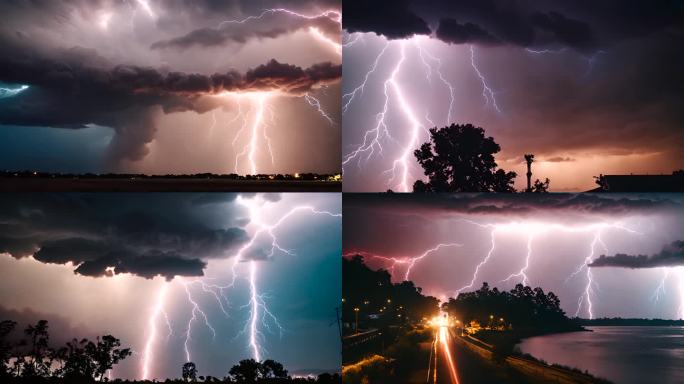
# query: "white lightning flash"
[[487, 92], [6, 92], [399, 175], [257, 303], [157, 311]]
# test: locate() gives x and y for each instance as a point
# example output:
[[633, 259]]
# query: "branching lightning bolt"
[[410, 262], [487, 92], [373, 138]]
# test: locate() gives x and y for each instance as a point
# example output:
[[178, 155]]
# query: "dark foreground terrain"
[[164, 185]]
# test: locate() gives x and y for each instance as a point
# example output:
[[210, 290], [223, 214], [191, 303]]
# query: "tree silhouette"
[[541, 187], [189, 371], [459, 158], [104, 353], [6, 327], [37, 362], [246, 371], [272, 369], [77, 363]]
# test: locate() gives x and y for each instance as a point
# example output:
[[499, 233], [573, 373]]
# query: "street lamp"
[[356, 313]]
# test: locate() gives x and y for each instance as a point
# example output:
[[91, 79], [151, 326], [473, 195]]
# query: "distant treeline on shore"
[[229, 176], [618, 321]]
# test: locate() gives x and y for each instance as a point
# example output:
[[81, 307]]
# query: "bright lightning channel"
[[531, 230], [373, 138], [157, 311]]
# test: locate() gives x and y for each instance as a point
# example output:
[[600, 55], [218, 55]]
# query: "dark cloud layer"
[[148, 235], [75, 88], [672, 255], [393, 19], [582, 25], [522, 205], [115, 79], [270, 25]]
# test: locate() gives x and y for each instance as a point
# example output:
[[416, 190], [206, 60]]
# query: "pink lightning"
[[531, 229], [399, 175], [410, 262]]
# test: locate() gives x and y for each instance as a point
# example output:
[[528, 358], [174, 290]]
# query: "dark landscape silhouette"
[[385, 324], [28, 180], [34, 360]]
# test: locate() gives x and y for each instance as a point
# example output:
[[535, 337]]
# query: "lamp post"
[[356, 313]]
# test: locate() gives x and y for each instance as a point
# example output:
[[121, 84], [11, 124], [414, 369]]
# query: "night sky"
[[93, 264], [589, 87], [629, 246], [174, 86]]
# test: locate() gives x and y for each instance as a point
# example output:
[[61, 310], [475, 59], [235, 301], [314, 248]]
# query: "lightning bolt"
[[257, 303], [523, 271], [157, 311], [531, 229], [333, 15], [401, 163], [660, 289], [194, 313], [256, 133], [680, 277], [314, 102], [9, 92], [410, 262], [400, 172], [487, 92]]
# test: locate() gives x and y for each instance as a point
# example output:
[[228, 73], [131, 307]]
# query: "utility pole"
[[529, 159]]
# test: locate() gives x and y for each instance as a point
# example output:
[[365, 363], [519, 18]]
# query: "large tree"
[[459, 158]]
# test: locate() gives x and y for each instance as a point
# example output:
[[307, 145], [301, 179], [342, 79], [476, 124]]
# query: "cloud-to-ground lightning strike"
[[195, 311], [259, 313], [257, 303], [158, 310], [531, 230], [398, 175]]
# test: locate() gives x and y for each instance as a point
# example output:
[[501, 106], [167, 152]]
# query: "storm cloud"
[[517, 205], [582, 25], [143, 235], [113, 66], [672, 255], [594, 81]]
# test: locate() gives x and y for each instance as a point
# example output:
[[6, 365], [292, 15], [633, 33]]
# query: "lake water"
[[624, 355]]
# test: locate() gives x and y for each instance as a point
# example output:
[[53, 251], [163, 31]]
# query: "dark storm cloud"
[[271, 25], [149, 235], [672, 255], [75, 87], [451, 31], [582, 25], [392, 19], [522, 205]]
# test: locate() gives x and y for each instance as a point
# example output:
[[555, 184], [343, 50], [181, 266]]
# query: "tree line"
[[524, 307], [32, 360]]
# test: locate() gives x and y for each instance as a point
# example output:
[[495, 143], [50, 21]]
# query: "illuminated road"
[[451, 363], [442, 362]]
